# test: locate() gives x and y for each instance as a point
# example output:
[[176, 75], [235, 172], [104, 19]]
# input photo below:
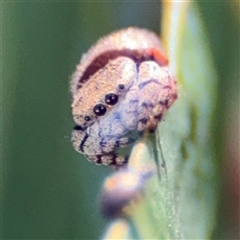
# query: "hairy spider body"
[[122, 85]]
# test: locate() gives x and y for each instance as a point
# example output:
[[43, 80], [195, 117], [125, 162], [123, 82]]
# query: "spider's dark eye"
[[121, 87], [99, 109], [78, 128], [87, 118], [111, 99]]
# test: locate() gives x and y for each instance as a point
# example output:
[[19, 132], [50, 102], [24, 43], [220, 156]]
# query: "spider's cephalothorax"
[[121, 85]]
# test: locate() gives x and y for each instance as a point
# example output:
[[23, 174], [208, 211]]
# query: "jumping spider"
[[121, 85]]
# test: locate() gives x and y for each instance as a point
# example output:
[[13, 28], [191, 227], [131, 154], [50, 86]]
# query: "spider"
[[121, 86]]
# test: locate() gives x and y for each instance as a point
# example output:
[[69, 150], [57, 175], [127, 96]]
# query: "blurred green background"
[[49, 191]]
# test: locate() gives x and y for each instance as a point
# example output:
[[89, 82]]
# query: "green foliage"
[[184, 204], [48, 190]]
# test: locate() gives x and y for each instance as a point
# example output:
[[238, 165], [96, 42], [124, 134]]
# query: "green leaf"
[[183, 203]]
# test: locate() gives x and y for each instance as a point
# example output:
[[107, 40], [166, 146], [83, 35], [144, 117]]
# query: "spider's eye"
[[99, 109], [87, 118], [121, 87], [111, 99], [78, 128]]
